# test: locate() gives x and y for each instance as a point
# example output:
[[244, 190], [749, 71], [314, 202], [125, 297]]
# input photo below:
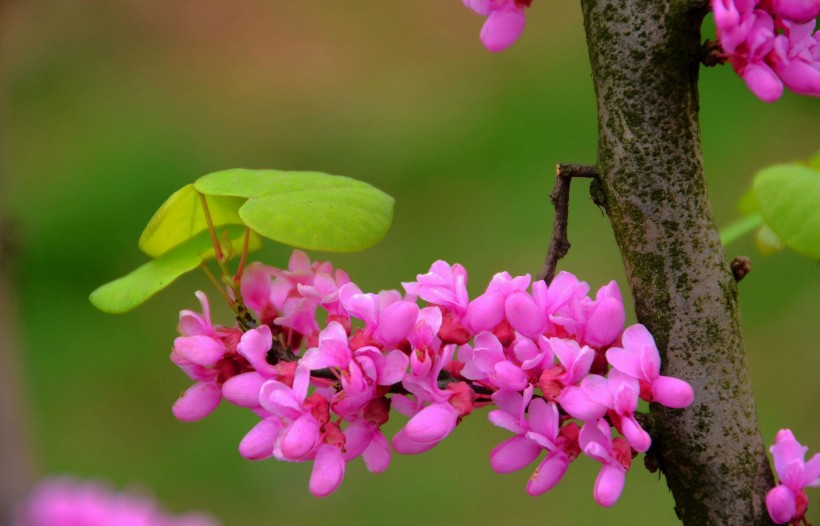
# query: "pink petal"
[[507, 375], [377, 455], [482, 7], [524, 314], [201, 350], [796, 10], [672, 392], [432, 423], [277, 398], [763, 82], [328, 471], [394, 368], [600, 389], [543, 417], [547, 474], [639, 341], [402, 444], [801, 77], [811, 472], [506, 421], [578, 405], [605, 323], [258, 443], [513, 454], [300, 437], [243, 389], [637, 437], [510, 402], [396, 321], [485, 312], [357, 437], [197, 402], [254, 346], [781, 503], [256, 286], [627, 361], [609, 485]]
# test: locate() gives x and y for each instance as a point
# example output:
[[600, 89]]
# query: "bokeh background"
[[108, 107]]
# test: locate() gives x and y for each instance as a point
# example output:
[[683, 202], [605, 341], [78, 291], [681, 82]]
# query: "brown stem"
[[645, 57], [16, 470], [214, 239], [559, 243]]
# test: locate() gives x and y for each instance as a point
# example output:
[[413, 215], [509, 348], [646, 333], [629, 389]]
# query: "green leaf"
[[789, 195], [133, 289], [768, 242], [748, 203], [181, 217], [309, 210]]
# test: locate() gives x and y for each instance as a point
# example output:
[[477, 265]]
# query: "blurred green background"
[[111, 106]]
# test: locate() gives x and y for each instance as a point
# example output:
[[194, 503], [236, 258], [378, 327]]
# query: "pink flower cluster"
[[505, 21], [771, 43], [558, 366], [787, 502], [66, 502]]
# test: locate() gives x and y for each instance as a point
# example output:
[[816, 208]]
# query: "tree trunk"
[[645, 60]]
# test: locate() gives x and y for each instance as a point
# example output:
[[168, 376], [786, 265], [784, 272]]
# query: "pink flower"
[[616, 456], [771, 43], [799, 11], [62, 501], [486, 362], [505, 21], [532, 435], [640, 359], [787, 501]]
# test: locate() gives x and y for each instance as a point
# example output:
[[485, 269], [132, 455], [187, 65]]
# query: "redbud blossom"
[[787, 501], [322, 392]]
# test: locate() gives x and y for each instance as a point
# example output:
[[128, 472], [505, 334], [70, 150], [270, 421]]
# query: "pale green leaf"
[[789, 195], [768, 242], [133, 289], [308, 210], [181, 217]]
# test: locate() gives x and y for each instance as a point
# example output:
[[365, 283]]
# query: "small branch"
[[559, 244], [712, 54]]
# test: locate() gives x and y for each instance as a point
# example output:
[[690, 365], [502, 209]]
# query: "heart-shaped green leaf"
[[309, 210], [181, 217], [789, 195], [133, 289]]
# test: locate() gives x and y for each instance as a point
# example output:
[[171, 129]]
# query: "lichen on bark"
[[645, 58]]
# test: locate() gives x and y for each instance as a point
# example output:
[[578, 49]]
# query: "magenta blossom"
[[615, 455], [62, 501], [505, 21], [771, 43], [640, 359], [322, 386], [787, 501]]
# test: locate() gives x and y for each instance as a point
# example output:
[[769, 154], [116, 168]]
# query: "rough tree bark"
[[645, 58]]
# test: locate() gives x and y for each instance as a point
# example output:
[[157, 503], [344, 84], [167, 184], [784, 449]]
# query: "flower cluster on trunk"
[[326, 363]]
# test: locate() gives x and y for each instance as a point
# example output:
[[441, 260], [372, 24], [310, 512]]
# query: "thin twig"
[[217, 247], [559, 244]]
